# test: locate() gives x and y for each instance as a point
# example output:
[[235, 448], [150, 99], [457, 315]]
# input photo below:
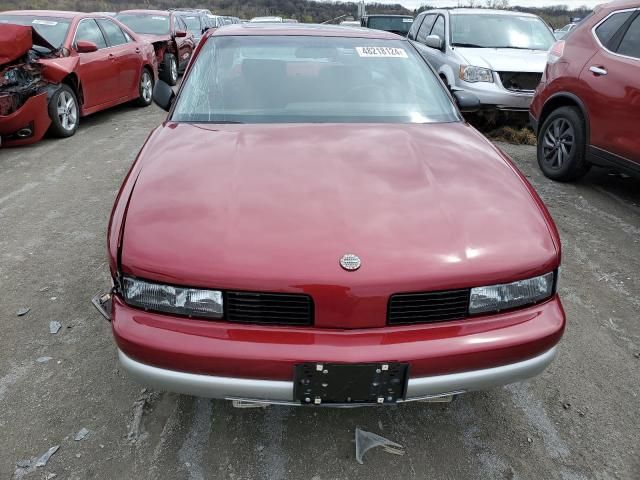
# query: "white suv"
[[499, 56]]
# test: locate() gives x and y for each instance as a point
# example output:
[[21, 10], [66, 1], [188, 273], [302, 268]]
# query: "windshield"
[[302, 79], [52, 29], [193, 24], [500, 31], [146, 24], [391, 24]]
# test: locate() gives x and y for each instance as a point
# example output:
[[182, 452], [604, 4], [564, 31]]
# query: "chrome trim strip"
[[479, 379], [206, 385], [281, 392]]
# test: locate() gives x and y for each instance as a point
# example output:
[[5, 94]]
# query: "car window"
[[114, 34], [415, 26], [491, 30], [630, 45], [52, 29], [88, 31], [145, 23], [425, 28], [607, 29], [193, 24], [300, 79], [438, 27], [399, 25]]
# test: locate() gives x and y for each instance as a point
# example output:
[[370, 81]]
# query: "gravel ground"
[[580, 419]]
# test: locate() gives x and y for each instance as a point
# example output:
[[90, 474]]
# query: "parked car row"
[[583, 92], [59, 66]]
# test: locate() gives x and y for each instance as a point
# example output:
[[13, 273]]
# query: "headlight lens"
[[165, 298], [510, 295], [472, 74]]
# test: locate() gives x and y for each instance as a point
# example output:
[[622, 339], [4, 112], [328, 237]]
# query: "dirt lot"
[[581, 419]]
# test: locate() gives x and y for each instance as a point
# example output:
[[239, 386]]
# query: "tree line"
[[302, 10]]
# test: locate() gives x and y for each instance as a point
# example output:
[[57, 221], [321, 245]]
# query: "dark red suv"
[[586, 110]]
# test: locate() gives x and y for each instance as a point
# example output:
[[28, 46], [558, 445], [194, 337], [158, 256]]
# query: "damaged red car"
[[57, 67], [168, 33], [316, 224]]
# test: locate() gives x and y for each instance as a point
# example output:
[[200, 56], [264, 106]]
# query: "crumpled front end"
[[23, 101]]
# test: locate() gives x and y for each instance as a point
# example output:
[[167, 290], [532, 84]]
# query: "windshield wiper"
[[468, 45], [515, 48]]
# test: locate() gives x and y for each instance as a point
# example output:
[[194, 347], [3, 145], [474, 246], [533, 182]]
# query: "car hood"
[[505, 59], [17, 40], [273, 208], [154, 38]]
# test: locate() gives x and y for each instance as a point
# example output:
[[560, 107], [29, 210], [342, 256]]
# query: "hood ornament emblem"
[[350, 262]]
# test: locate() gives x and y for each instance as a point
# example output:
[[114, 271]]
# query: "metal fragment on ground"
[[81, 434], [365, 441], [54, 326], [44, 458], [23, 311]]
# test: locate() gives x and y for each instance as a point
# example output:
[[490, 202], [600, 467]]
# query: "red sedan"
[[315, 223], [587, 108], [59, 66]]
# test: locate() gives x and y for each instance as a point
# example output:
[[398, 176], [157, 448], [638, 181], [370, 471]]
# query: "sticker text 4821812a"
[[381, 52]]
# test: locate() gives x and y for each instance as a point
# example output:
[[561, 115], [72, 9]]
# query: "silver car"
[[498, 56]]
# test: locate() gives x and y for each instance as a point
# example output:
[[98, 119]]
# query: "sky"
[[523, 3]]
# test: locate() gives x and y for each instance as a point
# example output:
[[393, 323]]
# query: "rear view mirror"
[[163, 95], [434, 41], [467, 102], [180, 34], [84, 46]]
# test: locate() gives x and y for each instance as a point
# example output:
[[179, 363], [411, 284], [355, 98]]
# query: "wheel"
[[146, 89], [64, 112], [562, 145], [169, 69]]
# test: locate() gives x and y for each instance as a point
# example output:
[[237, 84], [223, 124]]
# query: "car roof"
[[149, 12], [620, 4], [387, 15], [48, 13], [485, 11], [302, 29]]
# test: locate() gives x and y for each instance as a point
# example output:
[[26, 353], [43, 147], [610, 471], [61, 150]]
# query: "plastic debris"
[[81, 434], [50, 476], [43, 359], [23, 463], [23, 311], [365, 441], [42, 461], [54, 326]]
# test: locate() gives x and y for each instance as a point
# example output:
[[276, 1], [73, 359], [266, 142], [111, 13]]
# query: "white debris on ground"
[[365, 441]]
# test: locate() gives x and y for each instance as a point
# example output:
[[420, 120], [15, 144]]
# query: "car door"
[[97, 71], [438, 57], [612, 81], [423, 33], [126, 56], [185, 44]]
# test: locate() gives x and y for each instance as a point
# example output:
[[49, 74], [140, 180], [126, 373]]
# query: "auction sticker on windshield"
[[387, 52]]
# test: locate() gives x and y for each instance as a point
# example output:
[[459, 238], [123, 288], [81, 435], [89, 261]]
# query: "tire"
[[562, 145], [169, 69], [64, 112], [145, 89]]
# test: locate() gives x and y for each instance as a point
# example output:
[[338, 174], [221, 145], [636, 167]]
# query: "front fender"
[[56, 69]]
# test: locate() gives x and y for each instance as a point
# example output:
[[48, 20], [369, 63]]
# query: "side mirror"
[[467, 102], [163, 95], [434, 41], [180, 34], [84, 46], [205, 29]]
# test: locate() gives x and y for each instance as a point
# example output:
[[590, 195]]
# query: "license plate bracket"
[[348, 383]]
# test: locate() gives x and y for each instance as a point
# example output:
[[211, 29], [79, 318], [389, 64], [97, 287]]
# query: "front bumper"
[[224, 360], [281, 392], [33, 117], [495, 96]]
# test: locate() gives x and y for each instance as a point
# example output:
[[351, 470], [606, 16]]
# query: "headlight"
[[166, 298], [510, 295], [475, 74]]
